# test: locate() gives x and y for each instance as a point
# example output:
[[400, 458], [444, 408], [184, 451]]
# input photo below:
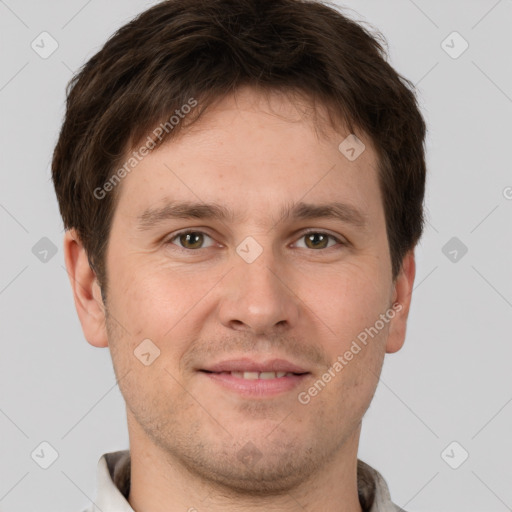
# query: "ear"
[[402, 295], [86, 291]]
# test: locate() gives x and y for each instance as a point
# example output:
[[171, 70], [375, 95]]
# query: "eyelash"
[[305, 233]]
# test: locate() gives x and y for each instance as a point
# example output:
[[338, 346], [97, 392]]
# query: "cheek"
[[148, 298], [347, 301], [142, 360], [160, 304]]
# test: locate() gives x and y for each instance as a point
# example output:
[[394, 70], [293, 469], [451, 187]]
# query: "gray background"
[[451, 381]]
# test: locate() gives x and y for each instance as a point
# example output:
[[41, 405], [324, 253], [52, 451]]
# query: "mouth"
[[266, 375], [254, 379]]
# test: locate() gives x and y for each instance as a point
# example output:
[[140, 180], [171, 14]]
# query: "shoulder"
[[373, 490]]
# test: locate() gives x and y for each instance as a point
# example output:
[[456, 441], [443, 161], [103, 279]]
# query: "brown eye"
[[190, 239], [318, 240]]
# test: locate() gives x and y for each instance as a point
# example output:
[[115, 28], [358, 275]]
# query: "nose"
[[258, 297]]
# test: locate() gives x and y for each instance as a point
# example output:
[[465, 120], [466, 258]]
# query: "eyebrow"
[[346, 213]]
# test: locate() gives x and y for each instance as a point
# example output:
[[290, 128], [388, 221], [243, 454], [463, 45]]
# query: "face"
[[254, 312]]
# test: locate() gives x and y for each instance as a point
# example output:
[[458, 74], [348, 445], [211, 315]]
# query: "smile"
[[255, 384], [258, 375]]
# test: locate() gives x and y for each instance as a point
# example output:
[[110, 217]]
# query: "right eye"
[[189, 239]]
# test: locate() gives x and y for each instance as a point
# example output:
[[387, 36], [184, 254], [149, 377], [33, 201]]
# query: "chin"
[[261, 467]]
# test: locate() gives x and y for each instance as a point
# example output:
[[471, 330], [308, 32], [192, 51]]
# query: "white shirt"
[[114, 486]]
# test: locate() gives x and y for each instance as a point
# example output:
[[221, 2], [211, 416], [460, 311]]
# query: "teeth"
[[260, 375]]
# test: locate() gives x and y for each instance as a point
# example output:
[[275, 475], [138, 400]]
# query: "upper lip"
[[251, 365]]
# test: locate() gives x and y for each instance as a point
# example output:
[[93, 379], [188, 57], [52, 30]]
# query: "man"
[[242, 184]]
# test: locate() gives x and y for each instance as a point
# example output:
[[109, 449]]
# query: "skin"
[[305, 303]]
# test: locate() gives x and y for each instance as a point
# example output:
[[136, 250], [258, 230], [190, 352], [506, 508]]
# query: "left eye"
[[192, 240], [318, 239]]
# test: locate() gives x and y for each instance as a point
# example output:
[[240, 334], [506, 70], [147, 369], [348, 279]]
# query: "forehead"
[[254, 153]]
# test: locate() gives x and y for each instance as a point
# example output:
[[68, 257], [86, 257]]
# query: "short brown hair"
[[206, 49]]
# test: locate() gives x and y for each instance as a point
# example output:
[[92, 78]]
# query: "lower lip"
[[257, 387]]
